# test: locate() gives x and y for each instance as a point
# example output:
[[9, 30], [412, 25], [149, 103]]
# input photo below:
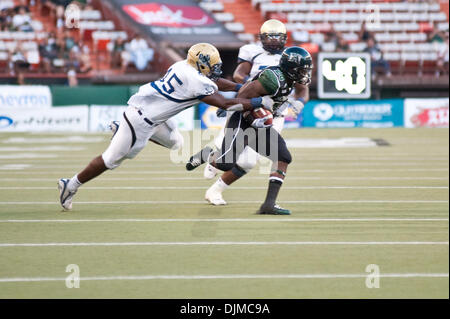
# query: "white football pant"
[[133, 135]]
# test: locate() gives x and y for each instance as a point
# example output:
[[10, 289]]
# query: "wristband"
[[256, 102], [237, 87], [301, 100]]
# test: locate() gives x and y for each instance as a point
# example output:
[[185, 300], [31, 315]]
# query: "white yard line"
[[229, 243], [183, 173], [206, 187], [6, 179], [226, 220], [229, 276], [173, 202]]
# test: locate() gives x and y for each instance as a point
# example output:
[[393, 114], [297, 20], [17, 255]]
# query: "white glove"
[[259, 123], [297, 106], [267, 103]]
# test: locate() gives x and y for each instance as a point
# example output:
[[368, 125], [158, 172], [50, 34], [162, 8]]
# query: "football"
[[262, 112]]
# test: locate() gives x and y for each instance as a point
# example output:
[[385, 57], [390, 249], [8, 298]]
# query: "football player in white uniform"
[[252, 59], [185, 84]]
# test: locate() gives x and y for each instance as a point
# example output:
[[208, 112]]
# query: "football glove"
[[267, 103], [296, 105], [221, 113], [259, 123]]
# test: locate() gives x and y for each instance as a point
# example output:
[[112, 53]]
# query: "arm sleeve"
[[204, 87]]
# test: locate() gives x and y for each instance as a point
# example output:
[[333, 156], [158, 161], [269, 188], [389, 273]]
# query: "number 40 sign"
[[343, 75]]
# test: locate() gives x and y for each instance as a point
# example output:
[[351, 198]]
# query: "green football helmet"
[[296, 63]]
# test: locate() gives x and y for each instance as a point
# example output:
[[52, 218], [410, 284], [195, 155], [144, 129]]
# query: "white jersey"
[[181, 87], [258, 58]]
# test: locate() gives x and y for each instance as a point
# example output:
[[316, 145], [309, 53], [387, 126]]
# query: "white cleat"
[[209, 172], [214, 197], [65, 196]]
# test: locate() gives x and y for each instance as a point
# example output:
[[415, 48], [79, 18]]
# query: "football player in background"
[[185, 84], [295, 66], [253, 58]]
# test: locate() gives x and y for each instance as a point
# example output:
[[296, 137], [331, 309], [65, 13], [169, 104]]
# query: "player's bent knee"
[[247, 162], [112, 162], [285, 156]]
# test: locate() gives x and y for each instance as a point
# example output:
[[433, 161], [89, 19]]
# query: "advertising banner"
[[101, 115], [208, 117], [67, 119], [426, 112], [25, 96], [351, 113], [176, 21]]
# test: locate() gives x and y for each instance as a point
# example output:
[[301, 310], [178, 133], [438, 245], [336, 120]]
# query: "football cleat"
[[198, 159], [114, 127], [275, 210], [209, 172], [65, 196], [214, 197]]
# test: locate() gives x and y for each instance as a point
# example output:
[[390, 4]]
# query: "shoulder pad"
[[248, 52]]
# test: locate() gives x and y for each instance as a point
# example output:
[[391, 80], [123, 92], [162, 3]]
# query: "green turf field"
[[144, 231]]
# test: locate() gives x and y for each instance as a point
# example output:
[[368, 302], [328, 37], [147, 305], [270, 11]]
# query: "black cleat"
[[275, 210], [198, 159]]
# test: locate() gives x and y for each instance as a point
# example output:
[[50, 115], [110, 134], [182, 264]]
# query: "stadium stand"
[[411, 35], [50, 38], [54, 37]]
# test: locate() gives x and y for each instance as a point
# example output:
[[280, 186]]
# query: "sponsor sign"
[[168, 15], [351, 113], [101, 115], [181, 22], [25, 96], [208, 117], [68, 119], [426, 112]]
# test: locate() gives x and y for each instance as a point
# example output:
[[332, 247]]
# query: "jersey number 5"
[[169, 88]]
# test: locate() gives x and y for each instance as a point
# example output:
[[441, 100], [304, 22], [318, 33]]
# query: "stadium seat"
[[236, 27], [246, 37], [410, 62], [328, 46], [224, 17], [212, 6], [357, 47], [90, 15], [428, 62]]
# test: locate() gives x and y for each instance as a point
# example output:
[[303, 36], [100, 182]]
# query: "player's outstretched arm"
[[227, 85], [242, 72], [259, 99]]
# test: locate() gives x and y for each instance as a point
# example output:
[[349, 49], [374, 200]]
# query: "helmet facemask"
[[212, 72], [273, 42]]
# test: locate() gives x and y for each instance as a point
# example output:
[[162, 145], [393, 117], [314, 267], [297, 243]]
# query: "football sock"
[[220, 185], [272, 193], [74, 183]]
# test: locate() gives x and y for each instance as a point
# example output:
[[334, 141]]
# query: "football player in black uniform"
[[243, 130]]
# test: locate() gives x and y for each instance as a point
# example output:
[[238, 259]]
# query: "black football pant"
[[239, 134]]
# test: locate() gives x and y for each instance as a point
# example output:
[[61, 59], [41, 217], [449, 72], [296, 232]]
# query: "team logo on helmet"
[[206, 59]]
